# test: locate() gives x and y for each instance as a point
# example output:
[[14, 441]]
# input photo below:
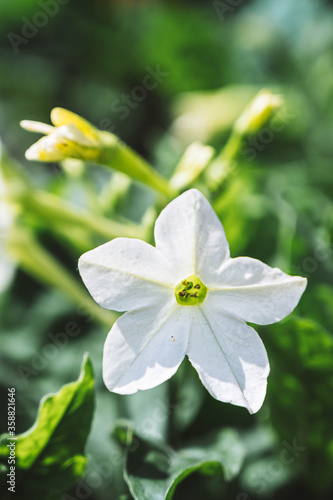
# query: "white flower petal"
[[255, 292], [229, 357], [32, 126], [189, 234], [144, 348], [127, 274], [45, 149], [73, 134]]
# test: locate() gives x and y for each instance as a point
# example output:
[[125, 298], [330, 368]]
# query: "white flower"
[[70, 137], [187, 296]]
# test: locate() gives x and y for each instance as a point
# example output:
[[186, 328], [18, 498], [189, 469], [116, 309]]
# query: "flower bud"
[[70, 137], [258, 112], [191, 165]]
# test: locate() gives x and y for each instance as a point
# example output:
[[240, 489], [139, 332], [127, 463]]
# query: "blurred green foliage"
[[153, 471], [277, 206], [50, 455]]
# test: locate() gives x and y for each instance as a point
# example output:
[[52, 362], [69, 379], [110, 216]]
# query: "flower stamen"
[[183, 289]]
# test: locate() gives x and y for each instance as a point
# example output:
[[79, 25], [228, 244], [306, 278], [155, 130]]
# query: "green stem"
[[223, 165], [232, 146], [121, 157], [57, 210], [39, 263], [114, 191]]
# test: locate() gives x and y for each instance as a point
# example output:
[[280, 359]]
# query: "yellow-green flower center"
[[191, 291]]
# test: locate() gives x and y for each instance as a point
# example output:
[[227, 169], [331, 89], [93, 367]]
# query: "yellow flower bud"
[[70, 137], [258, 112]]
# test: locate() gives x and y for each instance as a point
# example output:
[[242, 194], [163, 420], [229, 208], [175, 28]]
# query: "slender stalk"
[[121, 157], [115, 190], [223, 165], [57, 210], [40, 264]]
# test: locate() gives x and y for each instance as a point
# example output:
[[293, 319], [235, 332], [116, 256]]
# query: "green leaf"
[[50, 455], [153, 470]]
